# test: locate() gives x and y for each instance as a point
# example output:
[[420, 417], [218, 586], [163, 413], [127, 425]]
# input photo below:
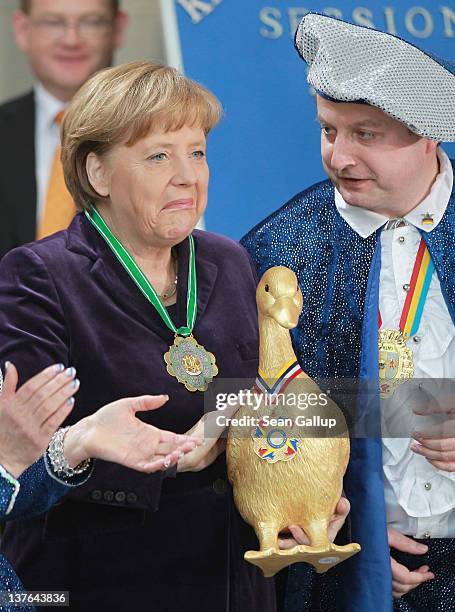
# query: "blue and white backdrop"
[[267, 146]]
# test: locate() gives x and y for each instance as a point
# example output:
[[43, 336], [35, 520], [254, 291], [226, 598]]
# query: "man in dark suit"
[[65, 43]]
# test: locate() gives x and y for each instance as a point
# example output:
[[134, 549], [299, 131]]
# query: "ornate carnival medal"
[[273, 442], [189, 362], [396, 361]]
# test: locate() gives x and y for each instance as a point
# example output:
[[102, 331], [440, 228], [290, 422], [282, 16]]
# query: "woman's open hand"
[[114, 433], [29, 416]]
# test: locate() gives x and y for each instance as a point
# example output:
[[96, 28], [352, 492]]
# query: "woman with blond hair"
[[140, 302]]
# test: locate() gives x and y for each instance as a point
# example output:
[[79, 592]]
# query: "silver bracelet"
[[56, 455]]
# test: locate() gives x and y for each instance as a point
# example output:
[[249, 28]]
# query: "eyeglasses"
[[87, 27]]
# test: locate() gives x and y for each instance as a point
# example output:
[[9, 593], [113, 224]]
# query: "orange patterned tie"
[[59, 208]]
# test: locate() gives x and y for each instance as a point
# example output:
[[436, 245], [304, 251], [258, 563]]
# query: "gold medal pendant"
[[190, 363], [396, 362]]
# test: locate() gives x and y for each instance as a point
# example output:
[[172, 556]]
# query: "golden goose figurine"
[[286, 474]]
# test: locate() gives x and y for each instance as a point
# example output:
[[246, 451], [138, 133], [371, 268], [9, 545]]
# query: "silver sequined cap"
[[350, 63]]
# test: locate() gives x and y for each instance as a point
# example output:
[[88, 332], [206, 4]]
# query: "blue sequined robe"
[[38, 492], [338, 272]]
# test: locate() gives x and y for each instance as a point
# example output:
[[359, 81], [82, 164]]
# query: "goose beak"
[[286, 312]]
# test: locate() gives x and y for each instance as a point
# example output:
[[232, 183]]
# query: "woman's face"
[[158, 187]]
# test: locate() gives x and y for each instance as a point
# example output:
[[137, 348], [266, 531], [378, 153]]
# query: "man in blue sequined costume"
[[354, 242]]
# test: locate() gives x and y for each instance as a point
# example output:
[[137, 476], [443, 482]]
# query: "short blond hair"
[[120, 106]]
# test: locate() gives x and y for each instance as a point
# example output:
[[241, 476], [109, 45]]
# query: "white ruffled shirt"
[[420, 499]]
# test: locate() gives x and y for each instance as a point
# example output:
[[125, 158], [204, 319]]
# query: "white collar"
[[365, 222], [47, 105]]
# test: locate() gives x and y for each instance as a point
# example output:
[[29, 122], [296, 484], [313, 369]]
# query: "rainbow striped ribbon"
[[288, 372], [418, 290]]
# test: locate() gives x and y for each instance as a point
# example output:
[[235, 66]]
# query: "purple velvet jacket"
[[127, 539]]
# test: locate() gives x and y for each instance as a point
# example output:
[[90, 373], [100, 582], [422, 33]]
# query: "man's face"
[[374, 161], [67, 41]]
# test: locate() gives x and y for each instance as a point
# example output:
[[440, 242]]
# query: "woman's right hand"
[[114, 433], [30, 416]]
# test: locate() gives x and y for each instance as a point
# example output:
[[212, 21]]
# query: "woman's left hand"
[[213, 432], [212, 446], [298, 536], [114, 433]]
